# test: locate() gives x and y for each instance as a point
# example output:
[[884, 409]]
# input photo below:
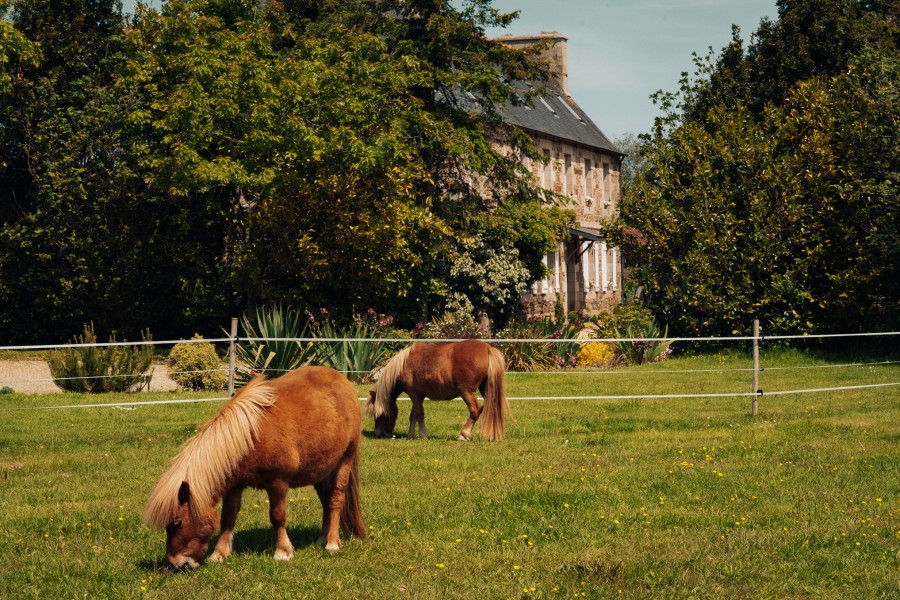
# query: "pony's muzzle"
[[182, 563]]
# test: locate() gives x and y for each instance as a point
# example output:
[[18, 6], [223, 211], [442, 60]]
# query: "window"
[[607, 194], [588, 187], [588, 178], [547, 180], [570, 184], [615, 265], [604, 267], [554, 261]]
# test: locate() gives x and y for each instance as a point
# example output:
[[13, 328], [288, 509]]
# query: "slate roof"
[[556, 115]]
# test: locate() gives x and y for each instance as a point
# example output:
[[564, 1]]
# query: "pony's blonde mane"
[[386, 381], [209, 458]]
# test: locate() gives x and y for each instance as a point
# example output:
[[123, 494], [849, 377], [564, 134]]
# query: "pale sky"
[[621, 51]]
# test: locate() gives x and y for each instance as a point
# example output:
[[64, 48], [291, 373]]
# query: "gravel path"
[[33, 377]]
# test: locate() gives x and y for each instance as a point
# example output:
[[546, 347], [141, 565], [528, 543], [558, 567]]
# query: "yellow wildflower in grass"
[[596, 354]]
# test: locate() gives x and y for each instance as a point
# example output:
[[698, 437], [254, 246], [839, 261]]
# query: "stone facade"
[[583, 167]]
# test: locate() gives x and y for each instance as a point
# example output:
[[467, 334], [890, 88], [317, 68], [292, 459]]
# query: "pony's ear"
[[184, 493]]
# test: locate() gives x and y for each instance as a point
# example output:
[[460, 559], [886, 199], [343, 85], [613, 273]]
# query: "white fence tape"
[[511, 398]]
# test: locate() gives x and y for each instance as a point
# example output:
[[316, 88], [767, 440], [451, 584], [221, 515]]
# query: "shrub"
[[196, 366], [597, 354], [635, 316], [527, 356], [6, 390], [97, 370], [453, 325]]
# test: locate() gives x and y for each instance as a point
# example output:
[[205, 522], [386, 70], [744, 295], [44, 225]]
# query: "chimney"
[[557, 54]]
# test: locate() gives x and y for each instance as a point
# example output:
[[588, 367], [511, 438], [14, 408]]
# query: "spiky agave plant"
[[272, 343], [646, 346], [352, 350]]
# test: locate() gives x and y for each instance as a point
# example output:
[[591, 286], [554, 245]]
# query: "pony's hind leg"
[[332, 493], [475, 408], [278, 491], [324, 489], [231, 504], [417, 417]]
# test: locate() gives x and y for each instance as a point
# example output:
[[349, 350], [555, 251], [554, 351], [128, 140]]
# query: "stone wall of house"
[[589, 177], [583, 275]]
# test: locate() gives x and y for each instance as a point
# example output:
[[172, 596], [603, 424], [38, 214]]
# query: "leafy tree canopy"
[[768, 186], [216, 154]]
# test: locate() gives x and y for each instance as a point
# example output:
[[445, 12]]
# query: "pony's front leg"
[[231, 504], [278, 491], [471, 401], [417, 417]]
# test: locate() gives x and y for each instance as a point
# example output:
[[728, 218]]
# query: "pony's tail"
[[352, 522], [496, 406]]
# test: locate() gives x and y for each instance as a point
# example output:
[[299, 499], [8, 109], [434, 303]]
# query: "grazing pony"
[[300, 429], [443, 372]]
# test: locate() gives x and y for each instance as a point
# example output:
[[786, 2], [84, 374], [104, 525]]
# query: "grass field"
[[614, 498]]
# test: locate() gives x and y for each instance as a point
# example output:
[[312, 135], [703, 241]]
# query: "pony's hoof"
[[332, 548], [283, 556], [216, 557], [463, 438]]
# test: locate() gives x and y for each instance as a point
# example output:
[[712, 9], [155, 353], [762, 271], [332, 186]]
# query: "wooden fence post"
[[231, 356], [755, 366]]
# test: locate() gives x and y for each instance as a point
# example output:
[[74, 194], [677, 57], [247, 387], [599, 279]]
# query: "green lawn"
[[615, 498]]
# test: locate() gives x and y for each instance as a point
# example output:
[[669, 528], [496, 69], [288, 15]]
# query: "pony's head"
[[187, 510], [385, 417], [189, 531], [382, 404]]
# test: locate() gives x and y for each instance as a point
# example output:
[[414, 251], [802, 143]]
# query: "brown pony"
[[302, 428], [442, 372]]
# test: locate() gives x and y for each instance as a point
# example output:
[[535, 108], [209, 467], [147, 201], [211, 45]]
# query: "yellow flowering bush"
[[597, 354]]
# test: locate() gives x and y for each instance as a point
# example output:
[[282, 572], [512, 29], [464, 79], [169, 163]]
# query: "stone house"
[[585, 271]]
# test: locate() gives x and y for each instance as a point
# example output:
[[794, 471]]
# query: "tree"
[[343, 141], [634, 162], [214, 154], [786, 212]]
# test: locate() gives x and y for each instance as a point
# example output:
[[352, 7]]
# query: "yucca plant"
[[274, 348], [355, 354], [644, 350], [96, 370], [566, 352]]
